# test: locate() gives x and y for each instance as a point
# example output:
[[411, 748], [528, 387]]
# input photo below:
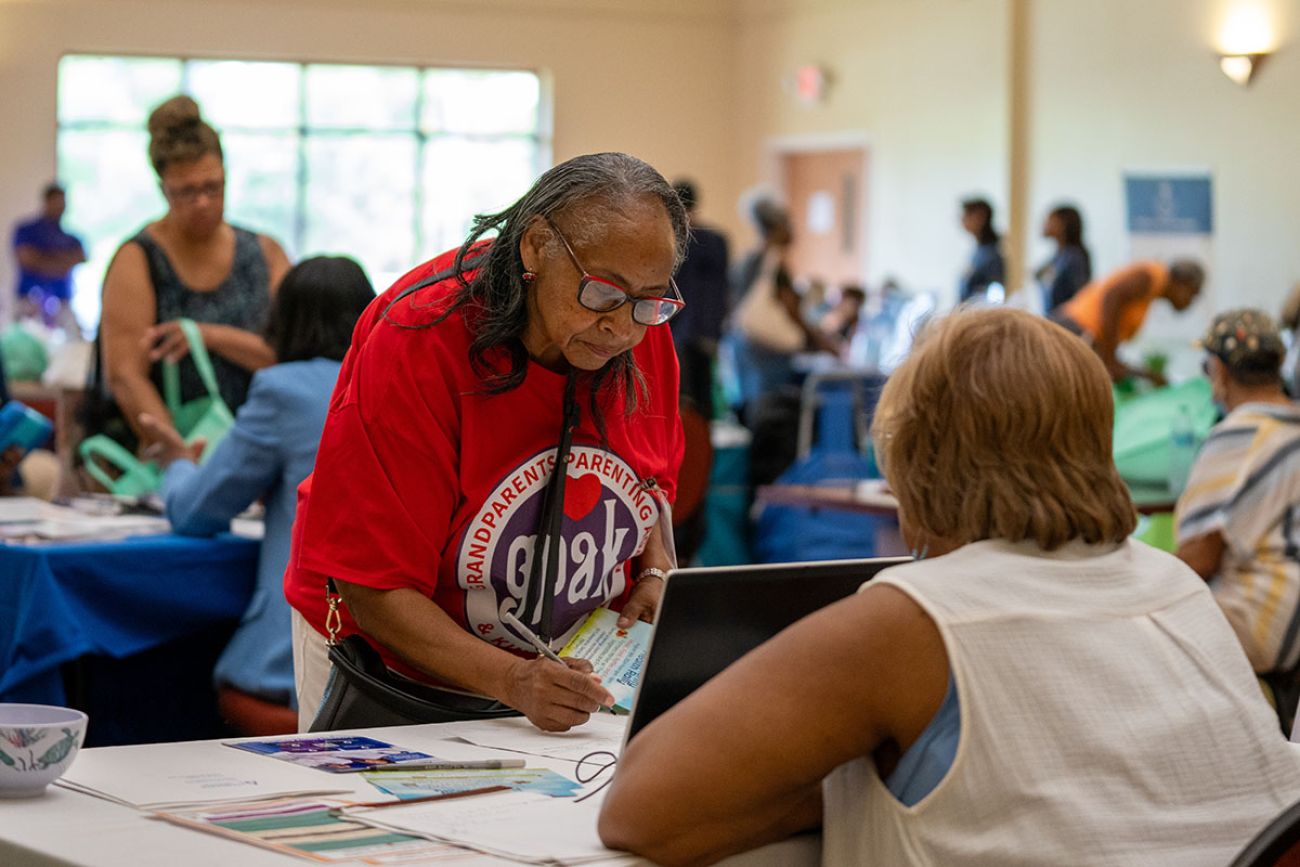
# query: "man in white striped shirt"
[[1238, 521]]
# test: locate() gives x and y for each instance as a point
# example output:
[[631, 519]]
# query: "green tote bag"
[[132, 478], [205, 417]]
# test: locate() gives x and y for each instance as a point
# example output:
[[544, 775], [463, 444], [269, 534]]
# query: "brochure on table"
[[408, 785], [335, 754], [315, 829]]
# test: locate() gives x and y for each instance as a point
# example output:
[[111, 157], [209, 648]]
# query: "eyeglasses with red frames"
[[603, 296]]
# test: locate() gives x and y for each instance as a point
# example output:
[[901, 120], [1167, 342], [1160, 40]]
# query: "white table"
[[68, 828]]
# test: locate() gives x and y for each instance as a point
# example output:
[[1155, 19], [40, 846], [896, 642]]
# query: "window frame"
[[541, 138]]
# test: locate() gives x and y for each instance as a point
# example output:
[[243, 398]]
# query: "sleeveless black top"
[[243, 300]]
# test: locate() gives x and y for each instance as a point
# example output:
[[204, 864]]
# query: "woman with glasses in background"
[[425, 504], [189, 264]]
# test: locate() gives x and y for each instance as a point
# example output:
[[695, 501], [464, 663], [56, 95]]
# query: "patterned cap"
[[1245, 339]]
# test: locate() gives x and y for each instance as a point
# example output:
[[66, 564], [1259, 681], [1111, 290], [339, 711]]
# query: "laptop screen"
[[710, 617]]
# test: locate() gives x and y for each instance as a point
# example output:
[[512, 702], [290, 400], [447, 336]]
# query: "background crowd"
[[222, 376]]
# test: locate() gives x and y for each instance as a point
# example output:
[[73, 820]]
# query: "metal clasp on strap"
[[333, 617]]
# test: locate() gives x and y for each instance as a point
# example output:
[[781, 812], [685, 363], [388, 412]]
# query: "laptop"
[[710, 617]]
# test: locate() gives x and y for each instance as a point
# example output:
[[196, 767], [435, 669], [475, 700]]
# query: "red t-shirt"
[[423, 481]]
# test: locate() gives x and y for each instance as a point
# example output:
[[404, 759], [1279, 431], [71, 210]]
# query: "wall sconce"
[[1241, 68], [1247, 36]]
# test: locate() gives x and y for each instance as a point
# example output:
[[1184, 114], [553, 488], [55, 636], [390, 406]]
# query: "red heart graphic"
[[581, 496]]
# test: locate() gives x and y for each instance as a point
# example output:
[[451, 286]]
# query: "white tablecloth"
[[68, 828]]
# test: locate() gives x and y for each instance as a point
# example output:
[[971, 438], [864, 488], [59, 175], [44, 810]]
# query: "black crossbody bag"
[[362, 692]]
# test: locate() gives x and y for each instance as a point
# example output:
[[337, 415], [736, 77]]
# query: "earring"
[[529, 276]]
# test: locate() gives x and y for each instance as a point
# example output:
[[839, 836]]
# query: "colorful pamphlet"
[[616, 654], [315, 829], [338, 755], [421, 784]]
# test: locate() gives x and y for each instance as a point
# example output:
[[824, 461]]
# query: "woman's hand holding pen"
[[555, 698]]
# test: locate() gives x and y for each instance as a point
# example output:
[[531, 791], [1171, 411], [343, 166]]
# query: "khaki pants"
[[311, 669]]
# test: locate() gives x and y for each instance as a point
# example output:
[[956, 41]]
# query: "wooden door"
[[826, 192]]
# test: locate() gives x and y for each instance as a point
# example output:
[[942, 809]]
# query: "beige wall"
[[697, 87], [923, 82], [1117, 84], [1107, 85], [651, 79]]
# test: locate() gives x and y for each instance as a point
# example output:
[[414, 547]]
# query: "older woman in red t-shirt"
[[427, 495]]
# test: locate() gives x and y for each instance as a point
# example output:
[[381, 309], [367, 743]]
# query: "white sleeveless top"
[[1108, 717]]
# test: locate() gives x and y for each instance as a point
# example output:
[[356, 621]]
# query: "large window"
[[387, 164]]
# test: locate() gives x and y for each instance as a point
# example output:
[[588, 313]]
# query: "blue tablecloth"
[[61, 601]]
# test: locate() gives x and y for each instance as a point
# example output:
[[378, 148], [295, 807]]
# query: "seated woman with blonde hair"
[[1040, 689]]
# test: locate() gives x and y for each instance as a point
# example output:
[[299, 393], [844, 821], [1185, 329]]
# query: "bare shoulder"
[[128, 273], [888, 656], [877, 627], [277, 261], [271, 248]]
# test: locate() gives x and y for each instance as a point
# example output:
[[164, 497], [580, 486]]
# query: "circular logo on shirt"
[[607, 518]]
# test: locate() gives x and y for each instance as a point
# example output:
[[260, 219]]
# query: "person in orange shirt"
[[1110, 311]]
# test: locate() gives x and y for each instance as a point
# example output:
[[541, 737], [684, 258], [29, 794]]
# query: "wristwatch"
[[652, 572]]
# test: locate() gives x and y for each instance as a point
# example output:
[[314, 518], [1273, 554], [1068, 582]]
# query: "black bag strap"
[[539, 595]]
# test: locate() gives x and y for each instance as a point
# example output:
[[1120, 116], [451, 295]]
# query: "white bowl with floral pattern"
[[37, 744]]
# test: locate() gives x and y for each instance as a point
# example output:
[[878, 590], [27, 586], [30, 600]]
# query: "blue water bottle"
[[23, 427], [1182, 450]]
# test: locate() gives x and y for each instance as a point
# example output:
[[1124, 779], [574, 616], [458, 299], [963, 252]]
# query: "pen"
[[540, 646], [469, 764], [376, 805], [531, 637]]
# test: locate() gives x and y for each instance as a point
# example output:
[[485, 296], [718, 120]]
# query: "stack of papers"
[[24, 510], [314, 829], [526, 827], [162, 776], [26, 518]]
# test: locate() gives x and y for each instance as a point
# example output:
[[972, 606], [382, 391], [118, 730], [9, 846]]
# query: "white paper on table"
[[248, 528], [79, 526], [154, 776], [521, 825], [875, 492], [517, 734], [20, 510]]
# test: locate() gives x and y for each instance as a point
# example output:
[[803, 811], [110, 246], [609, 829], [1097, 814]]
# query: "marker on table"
[[448, 765], [378, 805]]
